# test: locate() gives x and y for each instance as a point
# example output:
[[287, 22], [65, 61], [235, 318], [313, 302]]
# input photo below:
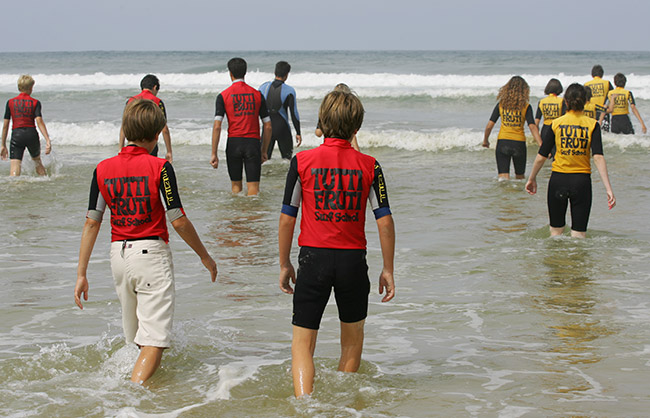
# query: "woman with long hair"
[[515, 111], [576, 138]]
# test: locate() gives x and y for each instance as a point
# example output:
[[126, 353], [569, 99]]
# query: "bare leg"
[[578, 234], [520, 176], [302, 360], [40, 170], [14, 167], [351, 346], [236, 186], [253, 188], [556, 231], [504, 176], [147, 364]]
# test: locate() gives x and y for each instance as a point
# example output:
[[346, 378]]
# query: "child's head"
[[237, 67], [575, 97], [341, 115], [342, 87], [553, 87], [25, 83], [597, 71], [149, 82], [142, 121], [620, 80]]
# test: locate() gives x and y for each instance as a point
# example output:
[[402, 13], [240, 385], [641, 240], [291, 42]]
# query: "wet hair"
[[25, 83], [342, 87], [282, 69], [514, 94], [149, 82], [575, 97], [588, 93], [597, 71], [553, 87], [142, 121], [237, 67], [620, 80], [340, 115]]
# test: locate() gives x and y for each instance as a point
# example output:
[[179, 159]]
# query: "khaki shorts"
[[144, 281]]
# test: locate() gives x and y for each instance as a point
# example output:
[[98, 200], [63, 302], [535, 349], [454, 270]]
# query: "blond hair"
[[142, 121], [342, 87], [341, 115], [514, 95], [25, 83]]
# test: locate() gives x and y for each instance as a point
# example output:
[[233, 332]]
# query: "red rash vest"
[[243, 105], [23, 109]]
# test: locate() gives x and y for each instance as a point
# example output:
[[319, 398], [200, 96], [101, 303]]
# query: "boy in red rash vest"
[[139, 188], [333, 182]]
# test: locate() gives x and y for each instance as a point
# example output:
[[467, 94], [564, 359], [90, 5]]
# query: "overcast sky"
[[74, 25]]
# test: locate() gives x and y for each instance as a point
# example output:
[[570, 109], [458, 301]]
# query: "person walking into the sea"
[[243, 106], [281, 101], [621, 101], [576, 138], [25, 111], [515, 111], [150, 86], [550, 107], [599, 93], [333, 182], [139, 188]]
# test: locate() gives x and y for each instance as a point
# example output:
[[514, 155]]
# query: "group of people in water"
[[331, 185], [570, 135]]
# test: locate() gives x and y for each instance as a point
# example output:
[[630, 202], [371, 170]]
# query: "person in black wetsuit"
[[280, 101]]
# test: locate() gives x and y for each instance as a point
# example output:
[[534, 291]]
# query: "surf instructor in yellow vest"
[[576, 138], [515, 111]]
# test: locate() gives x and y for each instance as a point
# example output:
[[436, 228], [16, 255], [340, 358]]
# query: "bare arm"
[[266, 139], [386, 228], [535, 131], [486, 135], [531, 184], [167, 137], [599, 161], [638, 116], [216, 136], [5, 131], [43, 129], [88, 238], [186, 230], [285, 239]]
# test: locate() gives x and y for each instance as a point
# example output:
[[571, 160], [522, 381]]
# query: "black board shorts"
[[244, 154], [508, 149], [320, 270], [574, 188], [22, 138], [621, 124]]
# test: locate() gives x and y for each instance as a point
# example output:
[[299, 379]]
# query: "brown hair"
[[341, 115], [142, 121], [515, 94]]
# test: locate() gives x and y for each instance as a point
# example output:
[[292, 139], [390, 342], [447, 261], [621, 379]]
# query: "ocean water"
[[491, 318]]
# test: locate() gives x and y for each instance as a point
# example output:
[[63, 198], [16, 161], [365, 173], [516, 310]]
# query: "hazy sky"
[[72, 25]]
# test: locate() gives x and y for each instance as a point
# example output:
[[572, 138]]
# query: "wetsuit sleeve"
[[596, 141], [631, 98], [96, 202], [378, 196], [495, 114], [529, 115], [220, 108], [610, 86], [7, 111], [563, 110], [37, 110], [290, 103], [162, 107], [548, 141], [292, 190], [538, 115], [264, 111], [169, 193]]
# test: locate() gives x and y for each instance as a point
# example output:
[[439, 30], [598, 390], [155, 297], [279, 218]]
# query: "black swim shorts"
[[569, 187], [244, 153], [22, 138], [508, 149], [621, 124], [320, 270]]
